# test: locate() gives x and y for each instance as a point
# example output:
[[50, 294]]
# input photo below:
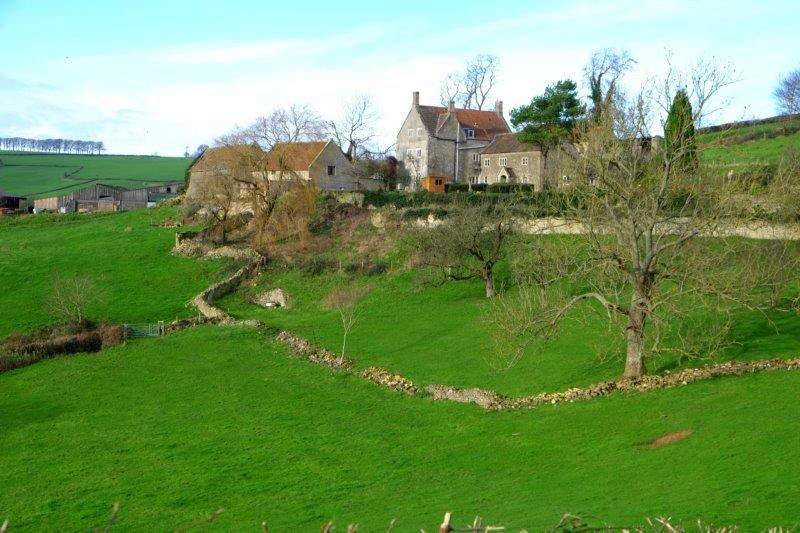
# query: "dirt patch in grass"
[[666, 439]]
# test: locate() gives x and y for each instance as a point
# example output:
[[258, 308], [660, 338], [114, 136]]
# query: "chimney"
[[415, 98], [498, 108], [451, 106]]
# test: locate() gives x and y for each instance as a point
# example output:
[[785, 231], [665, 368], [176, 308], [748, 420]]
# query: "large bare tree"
[[471, 88], [603, 73], [354, 130], [296, 123], [651, 256]]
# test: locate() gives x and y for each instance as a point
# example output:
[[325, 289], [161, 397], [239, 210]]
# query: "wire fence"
[[134, 331]]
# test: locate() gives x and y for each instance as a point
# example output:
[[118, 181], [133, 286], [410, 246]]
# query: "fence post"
[[160, 327], [445, 527]]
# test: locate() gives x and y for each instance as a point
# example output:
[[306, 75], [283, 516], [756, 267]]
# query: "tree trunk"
[[634, 332], [488, 279]]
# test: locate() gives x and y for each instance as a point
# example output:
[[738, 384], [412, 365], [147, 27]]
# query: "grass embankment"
[[33, 174], [178, 427], [127, 259]]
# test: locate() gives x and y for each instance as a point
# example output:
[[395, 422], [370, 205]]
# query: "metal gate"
[[133, 331]]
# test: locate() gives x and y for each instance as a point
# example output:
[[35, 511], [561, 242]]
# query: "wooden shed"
[[434, 183]]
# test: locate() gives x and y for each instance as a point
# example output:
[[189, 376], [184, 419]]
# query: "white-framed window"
[[525, 161], [410, 133], [487, 162], [476, 158], [503, 161], [409, 152], [469, 133], [419, 152], [566, 179], [419, 133]]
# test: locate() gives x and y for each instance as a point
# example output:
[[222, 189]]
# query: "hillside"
[[752, 145], [215, 417], [35, 175]]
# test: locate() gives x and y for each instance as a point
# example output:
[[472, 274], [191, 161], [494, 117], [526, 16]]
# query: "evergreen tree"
[[550, 117], [679, 134]]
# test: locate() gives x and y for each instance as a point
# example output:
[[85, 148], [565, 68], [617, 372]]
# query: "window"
[[409, 152], [411, 133], [331, 170], [476, 158], [503, 161], [469, 133], [486, 162], [525, 161], [419, 133], [419, 152], [567, 179], [438, 182]]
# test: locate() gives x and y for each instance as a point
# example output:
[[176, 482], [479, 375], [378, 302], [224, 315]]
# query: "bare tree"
[[216, 200], [347, 303], [471, 87], [294, 124], [787, 94], [71, 298], [651, 257], [603, 73], [469, 243], [354, 131]]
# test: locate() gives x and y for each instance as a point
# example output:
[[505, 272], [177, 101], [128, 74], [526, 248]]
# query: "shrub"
[[315, 266]]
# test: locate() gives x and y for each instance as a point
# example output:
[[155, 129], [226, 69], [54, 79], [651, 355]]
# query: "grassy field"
[[434, 333], [178, 427], [33, 174], [128, 259], [724, 148]]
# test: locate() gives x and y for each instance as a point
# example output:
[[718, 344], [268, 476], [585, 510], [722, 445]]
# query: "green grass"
[[435, 334], [756, 152], [35, 175], [177, 427], [127, 258]]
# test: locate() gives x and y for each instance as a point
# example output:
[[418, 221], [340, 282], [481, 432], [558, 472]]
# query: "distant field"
[[36, 175], [748, 146]]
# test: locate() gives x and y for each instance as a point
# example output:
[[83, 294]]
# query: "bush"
[[314, 266], [507, 188], [367, 268], [424, 212]]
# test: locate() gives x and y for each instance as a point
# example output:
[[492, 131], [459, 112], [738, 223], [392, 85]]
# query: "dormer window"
[[469, 133]]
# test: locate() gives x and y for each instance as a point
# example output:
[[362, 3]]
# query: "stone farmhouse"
[[438, 145], [508, 160], [321, 162]]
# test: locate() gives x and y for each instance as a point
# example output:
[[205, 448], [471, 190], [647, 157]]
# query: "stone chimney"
[[498, 107], [415, 99], [451, 106]]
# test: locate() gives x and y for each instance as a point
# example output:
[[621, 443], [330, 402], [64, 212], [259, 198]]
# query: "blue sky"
[[157, 76]]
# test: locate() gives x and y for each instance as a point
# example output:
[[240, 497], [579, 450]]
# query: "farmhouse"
[[319, 162], [508, 160], [438, 145]]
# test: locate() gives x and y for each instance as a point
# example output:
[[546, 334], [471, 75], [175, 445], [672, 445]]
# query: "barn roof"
[[296, 156], [486, 124], [508, 143]]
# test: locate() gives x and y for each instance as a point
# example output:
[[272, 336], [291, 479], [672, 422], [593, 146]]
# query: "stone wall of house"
[[413, 146], [343, 172], [532, 172]]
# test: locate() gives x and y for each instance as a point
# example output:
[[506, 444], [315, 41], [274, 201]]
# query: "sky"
[[158, 76]]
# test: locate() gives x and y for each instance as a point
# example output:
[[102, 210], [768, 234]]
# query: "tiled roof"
[[486, 124], [508, 143], [296, 156]]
